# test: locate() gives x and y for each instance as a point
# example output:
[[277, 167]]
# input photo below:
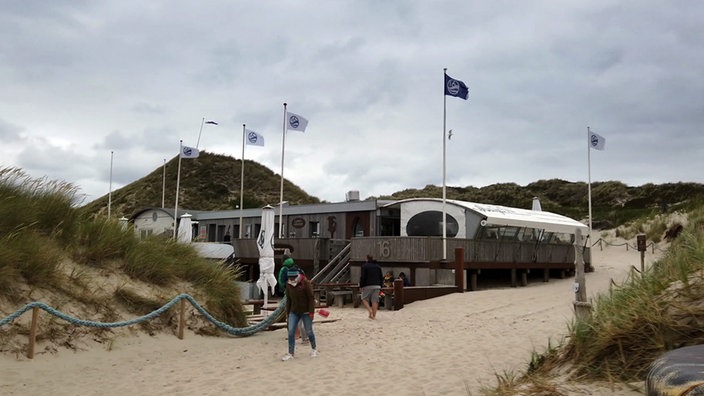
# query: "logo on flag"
[[456, 88], [296, 122], [254, 138], [189, 152], [597, 142]]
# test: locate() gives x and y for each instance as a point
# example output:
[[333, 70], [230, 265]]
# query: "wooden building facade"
[[403, 235]]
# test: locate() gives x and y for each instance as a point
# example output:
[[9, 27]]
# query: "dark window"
[[430, 224], [314, 228]]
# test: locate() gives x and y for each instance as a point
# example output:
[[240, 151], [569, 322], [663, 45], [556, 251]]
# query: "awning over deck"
[[492, 215], [516, 217]]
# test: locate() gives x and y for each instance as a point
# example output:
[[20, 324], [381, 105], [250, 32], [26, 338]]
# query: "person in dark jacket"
[[370, 282], [404, 278], [300, 306]]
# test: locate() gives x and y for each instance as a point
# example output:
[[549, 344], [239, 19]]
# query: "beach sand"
[[451, 345]]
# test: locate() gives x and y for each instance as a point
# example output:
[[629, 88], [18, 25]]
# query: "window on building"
[[143, 234], [314, 228], [429, 223]]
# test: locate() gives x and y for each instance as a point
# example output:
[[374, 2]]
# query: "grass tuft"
[[40, 228]]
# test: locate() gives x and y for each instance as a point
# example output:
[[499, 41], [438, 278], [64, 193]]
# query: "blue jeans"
[[293, 319]]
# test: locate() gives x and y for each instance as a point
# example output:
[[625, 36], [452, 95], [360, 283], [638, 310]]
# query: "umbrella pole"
[[265, 312]]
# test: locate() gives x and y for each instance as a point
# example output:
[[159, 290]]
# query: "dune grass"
[[40, 228], [647, 315]]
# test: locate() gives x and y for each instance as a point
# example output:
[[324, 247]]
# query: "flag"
[[254, 138], [456, 88], [294, 122], [189, 152], [211, 122], [596, 141]]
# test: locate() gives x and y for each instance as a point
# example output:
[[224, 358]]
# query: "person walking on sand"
[[288, 264], [370, 283], [300, 306]]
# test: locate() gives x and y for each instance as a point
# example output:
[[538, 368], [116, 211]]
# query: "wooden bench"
[[337, 292], [338, 296]]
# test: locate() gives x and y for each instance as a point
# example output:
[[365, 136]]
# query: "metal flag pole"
[[163, 186], [178, 181], [110, 188], [242, 181], [589, 179], [202, 121], [444, 148], [281, 190]]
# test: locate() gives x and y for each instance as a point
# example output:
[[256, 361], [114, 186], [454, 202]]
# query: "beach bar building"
[[331, 240]]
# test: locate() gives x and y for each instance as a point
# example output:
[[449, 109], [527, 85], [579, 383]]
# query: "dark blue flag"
[[456, 88]]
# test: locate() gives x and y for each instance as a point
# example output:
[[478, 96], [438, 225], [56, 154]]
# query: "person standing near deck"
[[370, 282], [300, 307]]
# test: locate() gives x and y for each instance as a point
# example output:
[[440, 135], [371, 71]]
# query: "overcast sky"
[[79, 79]]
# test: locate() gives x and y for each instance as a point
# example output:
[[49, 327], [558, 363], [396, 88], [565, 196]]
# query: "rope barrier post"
[[640, 240], [582, 308], [33, 332], [181, 318]]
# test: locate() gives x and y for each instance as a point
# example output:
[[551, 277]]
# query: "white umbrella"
[[265, 244], [185, 229]]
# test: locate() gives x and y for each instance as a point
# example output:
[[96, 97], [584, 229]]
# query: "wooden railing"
[[427, 249]]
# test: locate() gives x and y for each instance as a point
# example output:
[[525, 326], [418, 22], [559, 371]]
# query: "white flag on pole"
[[189, 152], [596, 141], [294, 122], [253, 138]]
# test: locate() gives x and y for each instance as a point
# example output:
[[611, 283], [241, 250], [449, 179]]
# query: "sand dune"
[[451, 345]]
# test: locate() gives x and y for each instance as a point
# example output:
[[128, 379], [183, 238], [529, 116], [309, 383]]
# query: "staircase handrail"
[[332, 266]]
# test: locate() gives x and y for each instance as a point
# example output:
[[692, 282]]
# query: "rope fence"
[[181, 299], [601, 242]]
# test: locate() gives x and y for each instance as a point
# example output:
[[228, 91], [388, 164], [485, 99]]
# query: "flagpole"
[[199, 132], [589, 184], [444, 148], [163, 186], [281, 190], [178, 181], [110, 188], [242, 182]]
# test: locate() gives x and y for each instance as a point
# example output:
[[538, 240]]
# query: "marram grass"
[[40, 228]]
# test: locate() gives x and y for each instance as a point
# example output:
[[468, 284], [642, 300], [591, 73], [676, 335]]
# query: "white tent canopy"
[[492, 215], [516, 217]]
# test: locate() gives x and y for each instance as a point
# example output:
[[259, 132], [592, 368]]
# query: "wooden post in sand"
[[181, 318], [398, 294], [459, 269], [33, 332], [582, 308]]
